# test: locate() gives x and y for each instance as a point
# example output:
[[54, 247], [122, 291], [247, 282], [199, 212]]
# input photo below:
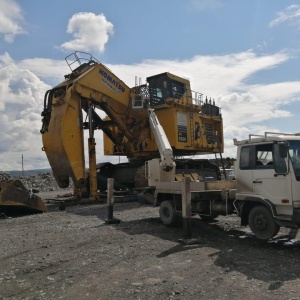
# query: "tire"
[[167, 213], [262, 223]]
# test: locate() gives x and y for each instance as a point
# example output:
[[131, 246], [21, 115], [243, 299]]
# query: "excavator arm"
[[88, 87]]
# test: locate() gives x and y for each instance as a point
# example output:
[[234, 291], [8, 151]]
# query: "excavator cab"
[[164, 87]]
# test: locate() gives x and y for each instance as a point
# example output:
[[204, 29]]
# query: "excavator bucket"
[[15, 198]]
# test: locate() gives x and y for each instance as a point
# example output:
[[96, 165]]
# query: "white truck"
[[265, 194]]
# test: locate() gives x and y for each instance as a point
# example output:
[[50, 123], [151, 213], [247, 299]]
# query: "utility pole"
[[22, 166]]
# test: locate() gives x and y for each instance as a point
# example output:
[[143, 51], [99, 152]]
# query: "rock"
[[40, 183]]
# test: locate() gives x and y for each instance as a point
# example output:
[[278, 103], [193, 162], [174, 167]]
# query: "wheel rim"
[[166, 212], [260, 222]]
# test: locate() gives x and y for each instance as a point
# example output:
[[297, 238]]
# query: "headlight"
[[296, 204]]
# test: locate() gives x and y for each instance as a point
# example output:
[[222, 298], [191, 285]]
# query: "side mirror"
[[283, 150], [280, 153]]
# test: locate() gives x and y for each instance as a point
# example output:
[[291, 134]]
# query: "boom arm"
[[89, 86], [162, 169], [163, 144]]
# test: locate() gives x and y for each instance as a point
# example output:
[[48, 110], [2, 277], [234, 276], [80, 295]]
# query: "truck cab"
[[268, 182]]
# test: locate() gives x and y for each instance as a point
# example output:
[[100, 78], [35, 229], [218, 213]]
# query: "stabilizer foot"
[[112, 221]]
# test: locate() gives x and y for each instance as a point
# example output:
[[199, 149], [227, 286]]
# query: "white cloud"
[[249, 112], [50, 70], [21, 103], [211, 75], [290, 15], [91, 32], [11, 19], [246, 110]]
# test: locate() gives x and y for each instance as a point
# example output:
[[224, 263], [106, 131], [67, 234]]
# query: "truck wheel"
[[262, 223], [167, 213]]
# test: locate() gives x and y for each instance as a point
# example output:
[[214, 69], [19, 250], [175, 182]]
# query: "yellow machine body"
[[188, 132], [192, 125]]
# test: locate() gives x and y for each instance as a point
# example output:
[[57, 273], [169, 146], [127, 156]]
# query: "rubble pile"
[[42, 182], [4, 177]]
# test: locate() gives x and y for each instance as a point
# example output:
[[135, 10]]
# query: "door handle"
[[257, 181]]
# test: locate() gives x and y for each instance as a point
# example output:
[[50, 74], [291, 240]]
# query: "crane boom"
[[163, 144]]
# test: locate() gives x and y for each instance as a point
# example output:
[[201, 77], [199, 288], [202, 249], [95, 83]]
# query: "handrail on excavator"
[[79, 58]]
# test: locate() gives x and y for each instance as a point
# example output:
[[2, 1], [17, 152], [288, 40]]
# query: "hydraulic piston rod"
[[92, 156]]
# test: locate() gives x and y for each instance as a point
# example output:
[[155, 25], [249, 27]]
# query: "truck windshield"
[[294, 153]]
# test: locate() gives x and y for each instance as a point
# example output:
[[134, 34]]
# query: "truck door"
[[267, 184]]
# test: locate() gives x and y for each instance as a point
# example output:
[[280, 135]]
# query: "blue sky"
[[244, 54]]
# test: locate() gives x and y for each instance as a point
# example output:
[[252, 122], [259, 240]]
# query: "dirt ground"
[[73, 254]]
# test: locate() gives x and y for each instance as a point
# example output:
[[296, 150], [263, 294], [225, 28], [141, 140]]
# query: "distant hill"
[[28, 172]]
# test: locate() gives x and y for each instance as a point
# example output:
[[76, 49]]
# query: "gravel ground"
[[73, 254]]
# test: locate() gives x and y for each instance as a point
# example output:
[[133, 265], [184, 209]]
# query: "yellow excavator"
[[193, 126]]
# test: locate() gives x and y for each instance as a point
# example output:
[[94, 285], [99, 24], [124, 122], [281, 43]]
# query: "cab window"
[[162, 87], [256, 157]]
